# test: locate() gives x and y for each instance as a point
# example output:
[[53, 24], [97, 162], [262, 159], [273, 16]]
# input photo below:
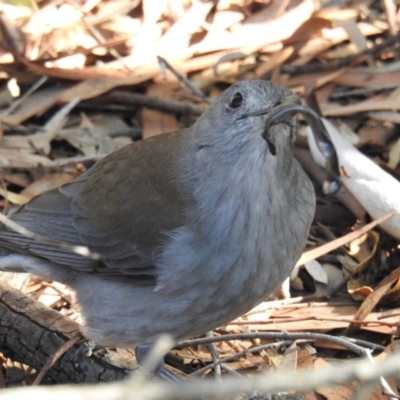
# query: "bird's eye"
[[236, 101]]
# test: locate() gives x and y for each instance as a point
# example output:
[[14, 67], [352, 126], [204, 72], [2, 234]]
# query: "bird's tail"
[[11, 261]]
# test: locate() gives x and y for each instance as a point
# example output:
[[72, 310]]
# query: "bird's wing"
[[122, 208]]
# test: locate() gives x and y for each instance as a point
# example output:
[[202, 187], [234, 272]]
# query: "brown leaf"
[[95, 87], [334, 244], [258, 30], [16, 159], [47, 182], [314, 317], [35, 104], [373, 299], [372, 104], [155, 122]]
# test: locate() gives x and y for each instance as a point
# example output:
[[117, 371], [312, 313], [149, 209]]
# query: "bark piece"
[[30, 333]]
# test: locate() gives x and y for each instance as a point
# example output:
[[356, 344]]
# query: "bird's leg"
[[142, 352], [85, 349]]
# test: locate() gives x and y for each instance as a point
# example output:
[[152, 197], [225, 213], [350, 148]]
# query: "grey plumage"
[[194, 227]]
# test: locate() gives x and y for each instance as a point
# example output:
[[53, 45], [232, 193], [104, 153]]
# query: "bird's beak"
[[285, 111]]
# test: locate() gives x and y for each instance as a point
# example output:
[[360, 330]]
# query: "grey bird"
[[194, 228]]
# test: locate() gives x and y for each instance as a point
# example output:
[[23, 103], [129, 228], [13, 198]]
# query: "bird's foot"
[[85, 350], [161, 371]]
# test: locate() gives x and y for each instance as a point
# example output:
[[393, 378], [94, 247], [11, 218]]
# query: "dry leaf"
[[315, 269], [156, 122], [375, 296], [375, 189], [16, 159], [258, 33], [47, 182]]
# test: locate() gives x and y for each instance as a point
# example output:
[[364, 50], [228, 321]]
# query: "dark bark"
[[31, 332]]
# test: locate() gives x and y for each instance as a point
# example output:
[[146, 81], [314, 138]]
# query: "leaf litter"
[[69, 72]]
